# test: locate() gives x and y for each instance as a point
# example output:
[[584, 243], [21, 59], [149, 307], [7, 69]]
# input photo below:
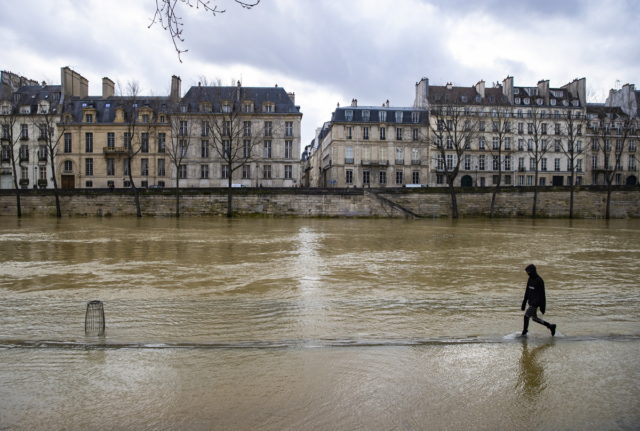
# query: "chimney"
[[543, 90], [507, 88], [354, 102], [73, 84], [292, 97], [422, 94], [387, 103], [175, 89], [449, 85], [107, 88], [238, 90], [480, 88]]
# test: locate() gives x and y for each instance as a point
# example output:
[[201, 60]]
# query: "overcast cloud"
[[330, 51]]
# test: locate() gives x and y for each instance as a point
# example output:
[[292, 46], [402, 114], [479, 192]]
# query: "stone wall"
[[431, 202]]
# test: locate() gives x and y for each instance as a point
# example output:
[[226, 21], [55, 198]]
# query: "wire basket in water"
[[94, 324]]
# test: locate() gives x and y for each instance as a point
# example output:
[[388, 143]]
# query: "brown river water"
[[317, 324]]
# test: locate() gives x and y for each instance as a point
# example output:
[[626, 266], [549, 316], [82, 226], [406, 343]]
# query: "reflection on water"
[[317, 324], [531, 379]]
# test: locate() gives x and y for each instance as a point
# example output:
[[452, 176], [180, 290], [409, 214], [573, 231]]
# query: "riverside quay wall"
[[589, 202]]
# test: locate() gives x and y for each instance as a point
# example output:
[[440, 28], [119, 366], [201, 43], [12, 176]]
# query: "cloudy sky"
[[329, 51]]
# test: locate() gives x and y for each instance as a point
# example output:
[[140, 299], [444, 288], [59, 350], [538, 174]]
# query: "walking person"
[[534, 296]]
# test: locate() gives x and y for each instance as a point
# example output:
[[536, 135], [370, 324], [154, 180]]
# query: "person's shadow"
[[531, 378]]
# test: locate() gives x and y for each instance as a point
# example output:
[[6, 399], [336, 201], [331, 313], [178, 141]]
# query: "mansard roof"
[[105, 108], [339, 115], [441, 94], [259, 96]]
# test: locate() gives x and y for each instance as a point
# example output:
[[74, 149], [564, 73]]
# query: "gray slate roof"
[[258, 95]]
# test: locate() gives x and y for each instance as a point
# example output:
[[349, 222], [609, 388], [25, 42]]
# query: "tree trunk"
[[535, 195], [454, 201], [177, 195], [571, 189], [15, 185], [607, 214], [55, 188], [229, 196]]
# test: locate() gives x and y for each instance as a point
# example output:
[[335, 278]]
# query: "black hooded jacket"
[[534, 293]]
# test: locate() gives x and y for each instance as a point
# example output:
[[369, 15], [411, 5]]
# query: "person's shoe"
[[524, 333], [553, 330]]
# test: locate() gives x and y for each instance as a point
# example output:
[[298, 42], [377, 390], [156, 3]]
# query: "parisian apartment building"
[[208, 137], [504, 134]]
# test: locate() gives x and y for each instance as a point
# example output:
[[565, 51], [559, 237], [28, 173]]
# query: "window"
[[383, 133], [398, 116], [246, 128], [348, 154], [182, 172], [415, 134], [88, 118], [530, 128], [88, 184], [246, 172], [556, 145], [68, 166], [42, 153], [481, 162], [288, 172], [88, 167], [205, 128], [399, 177], [204, 172], [366, 115], [182, 129], [532, 164], [520, 144], [88, 142], [42, 172], [382, 116], [449, 161], [495, 143], [521, 163], [544, 128], [144, 167], [415, 117], [399, 155], [481, 144], [288, 149], [268, 128], [111, 167], [111, 139], [348, 132], [507, 143], [495, 163], [125, 167], [557, 128], [399, 133], [24, 153], [349, 176], [5, 131], [543, 164], [266, 153], [161, 170], [507, 163], [520, 128], [226, 128], [467, 162], [145, 118], [204, 149], [162, 138], [226, 107], [365, 133], [383, 177], [182, 147], [268, 107], [246, 148], [415, 177], [530, 145], [144, 142], [127, 140], [266, 172], [348, 115], [247, 107], [226, 149], [481, 126], [415, 156], [439, 179]]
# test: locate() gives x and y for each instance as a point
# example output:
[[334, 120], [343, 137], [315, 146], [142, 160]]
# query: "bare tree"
[[48, 117], [10, 139], [572, 149], [453, 132], [132, 142], [501, 128], [234, 140], [537, 148], [168, 15], [178, 149], [611, 125]]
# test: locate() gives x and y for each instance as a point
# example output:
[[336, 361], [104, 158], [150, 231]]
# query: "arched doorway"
[[632, 180], [466, 181]]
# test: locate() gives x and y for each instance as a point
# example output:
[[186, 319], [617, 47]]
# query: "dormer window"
[[478, 99], [415, 117], [516, 91], [575, 103], [183, 108], [247, 107], [366, 115], [463, 99], [25, 109], [553, 102], [88, 118], [398, 116], [226, 107], [268, 107], [539, 101], [205, 107], [517, 100], [145, 118], [348, 115], [382, 115], [526, 100], [5, 109]]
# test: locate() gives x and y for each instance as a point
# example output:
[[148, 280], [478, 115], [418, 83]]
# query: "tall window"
[[348, 133], [398, 116], [288, 149], [415, 134], [224, 172], [144, 167], [144, 142], [383, 133], [162, 142], [182, 147], [161, 170], [288, 128], [268, 128], [348, 176], [246, 148], [88, 142], [111, 167], [415, 177], [204, 127], [399, 133], [288, 172], [204, 171], [67, 143], [126, 164], [182, 131], [365, 133], [88, 167], [495, 163], [383, 177], [111, 139], [24, 132], [467, 162], [266, 151], [127, 140], [399, 177], [556, 164], [246, 128], [204, 149], [507, 163], [348, 154], [246, 172], [182, 172], [266, 172], [481, 162]]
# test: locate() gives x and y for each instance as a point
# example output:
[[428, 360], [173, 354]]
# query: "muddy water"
[[317, 324]]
